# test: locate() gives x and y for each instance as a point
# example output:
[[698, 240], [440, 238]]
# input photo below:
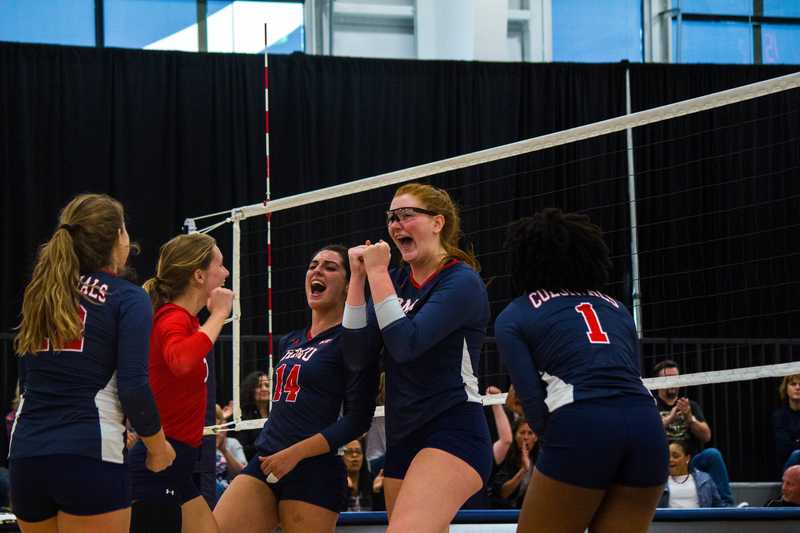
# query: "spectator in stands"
[[4, 480], [4, 488], [376, 436], [230, 458], [687, 487], [511, 480], [502, 425], [786, 423], [790, 496], [359, 480], [684, 421], [254, 398]]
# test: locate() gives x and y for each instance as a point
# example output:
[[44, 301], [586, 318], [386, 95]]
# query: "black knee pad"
[[156, 517]]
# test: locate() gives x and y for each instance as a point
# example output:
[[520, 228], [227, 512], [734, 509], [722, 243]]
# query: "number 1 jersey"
[[566, 346]]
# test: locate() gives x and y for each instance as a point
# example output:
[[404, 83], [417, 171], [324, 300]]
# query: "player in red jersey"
[[189, 277]]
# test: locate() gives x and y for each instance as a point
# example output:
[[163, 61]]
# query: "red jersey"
[[178, 373]]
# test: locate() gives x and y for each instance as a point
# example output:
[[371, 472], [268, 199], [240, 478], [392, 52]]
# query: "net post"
[[636, 289], [236, 217]]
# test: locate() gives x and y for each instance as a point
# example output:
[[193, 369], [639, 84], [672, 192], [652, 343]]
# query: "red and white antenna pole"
[[269, 215]]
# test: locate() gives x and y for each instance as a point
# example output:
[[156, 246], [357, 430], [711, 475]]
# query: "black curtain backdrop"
[[174, 135], [726, 265], [168, 134]]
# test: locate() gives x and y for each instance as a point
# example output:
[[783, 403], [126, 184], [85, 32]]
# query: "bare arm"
[[701, 430], [504, 437], [512, 484]]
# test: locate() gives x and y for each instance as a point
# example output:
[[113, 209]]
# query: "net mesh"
[[713, 271]]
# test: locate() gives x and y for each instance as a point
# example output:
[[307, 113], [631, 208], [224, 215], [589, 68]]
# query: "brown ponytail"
[[179, 259], [88, 229]]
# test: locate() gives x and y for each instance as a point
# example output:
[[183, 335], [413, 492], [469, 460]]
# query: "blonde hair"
[[180, 257], [439, 201], [785, 384], [88, 229]]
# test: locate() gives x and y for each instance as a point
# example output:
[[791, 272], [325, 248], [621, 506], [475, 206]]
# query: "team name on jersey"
[[93, 289], [300, 353], [541, 296]]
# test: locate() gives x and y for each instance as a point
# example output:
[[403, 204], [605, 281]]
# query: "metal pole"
[[237, 314], [636, 292]]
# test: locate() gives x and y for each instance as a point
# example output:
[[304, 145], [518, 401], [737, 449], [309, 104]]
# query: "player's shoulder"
[[514, 312], [460, 274], [294, 338], [102, 287], [170, 315]]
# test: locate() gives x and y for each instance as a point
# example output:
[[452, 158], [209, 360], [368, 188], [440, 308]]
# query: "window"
[[586, 30], [152, 24], [719, 7], [213, 26], [239, 26], [713, 42], [54, 22], [735, 31], [780, 44]]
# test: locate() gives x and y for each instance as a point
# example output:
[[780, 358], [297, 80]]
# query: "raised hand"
[[220, 301], [356, 257], [377, 256]]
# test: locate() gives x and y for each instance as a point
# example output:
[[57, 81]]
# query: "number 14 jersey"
[[311, 388]]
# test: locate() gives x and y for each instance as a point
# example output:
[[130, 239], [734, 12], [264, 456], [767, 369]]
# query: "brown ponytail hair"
[[439, 201], [88, 229], [179, 259]]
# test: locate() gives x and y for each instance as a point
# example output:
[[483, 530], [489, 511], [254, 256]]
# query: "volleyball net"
[[700, 206]]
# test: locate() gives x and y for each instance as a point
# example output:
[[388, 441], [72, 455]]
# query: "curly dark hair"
[[557, 251]]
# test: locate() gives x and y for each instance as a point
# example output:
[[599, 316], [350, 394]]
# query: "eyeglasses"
[[401, 214]]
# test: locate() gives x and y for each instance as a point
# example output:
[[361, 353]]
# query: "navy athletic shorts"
[[610, 441], [74, 484], [319, 480], [171, 484], [461, 431]]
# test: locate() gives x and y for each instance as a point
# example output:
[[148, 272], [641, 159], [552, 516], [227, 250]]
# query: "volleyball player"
[[429, 316], [84, 334], [189, 277], [572, 353], [297, 479]]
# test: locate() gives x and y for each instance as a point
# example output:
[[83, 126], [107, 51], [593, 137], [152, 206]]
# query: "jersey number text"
[[292, 385], [596, 334]]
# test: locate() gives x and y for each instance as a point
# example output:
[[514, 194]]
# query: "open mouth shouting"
[[405, 243], [317, 288]]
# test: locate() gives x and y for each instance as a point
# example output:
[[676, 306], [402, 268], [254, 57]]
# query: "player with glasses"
[[428, 318], [404, 214]]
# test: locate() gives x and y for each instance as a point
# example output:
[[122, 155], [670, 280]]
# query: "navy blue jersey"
[[432, 349], [71, 401], [566, 346], [312, 386]]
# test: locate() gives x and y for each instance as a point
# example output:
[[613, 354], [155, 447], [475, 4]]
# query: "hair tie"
[[69, 227]]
